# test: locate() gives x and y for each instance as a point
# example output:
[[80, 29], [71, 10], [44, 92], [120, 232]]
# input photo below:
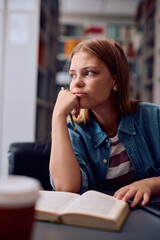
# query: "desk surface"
[[138, 226]]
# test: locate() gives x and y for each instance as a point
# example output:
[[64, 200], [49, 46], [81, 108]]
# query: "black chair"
[[31, 159]]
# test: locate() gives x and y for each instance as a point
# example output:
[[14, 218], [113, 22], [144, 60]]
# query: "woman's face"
[[91, 81]]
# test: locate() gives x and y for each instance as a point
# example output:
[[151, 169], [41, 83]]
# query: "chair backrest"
[[31, 159]]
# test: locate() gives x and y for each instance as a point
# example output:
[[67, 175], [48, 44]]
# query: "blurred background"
[[36, 38]]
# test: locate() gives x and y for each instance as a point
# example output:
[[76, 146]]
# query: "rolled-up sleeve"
[[84, 182], [51, 182]]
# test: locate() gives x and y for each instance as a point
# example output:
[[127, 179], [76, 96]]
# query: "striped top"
[[120, 169]]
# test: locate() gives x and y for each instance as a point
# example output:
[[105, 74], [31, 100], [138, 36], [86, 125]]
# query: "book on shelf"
[[91, 209], [69, 44]]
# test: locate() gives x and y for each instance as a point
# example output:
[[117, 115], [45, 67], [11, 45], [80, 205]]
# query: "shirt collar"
[[98, 136], [127, 124], [94, 129]]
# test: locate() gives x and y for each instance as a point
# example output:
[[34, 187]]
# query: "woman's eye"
[[89, 73], [72, 76]]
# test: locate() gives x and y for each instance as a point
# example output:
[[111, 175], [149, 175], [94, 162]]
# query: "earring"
[[115, 89]]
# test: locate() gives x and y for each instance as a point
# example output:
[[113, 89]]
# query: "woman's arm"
[[64, 168], [139, 191]]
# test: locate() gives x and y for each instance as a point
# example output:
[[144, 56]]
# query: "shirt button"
[[105, 160], [106, 140]]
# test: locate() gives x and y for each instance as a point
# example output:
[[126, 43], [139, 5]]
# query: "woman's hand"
[[66, 102], [139, 191]]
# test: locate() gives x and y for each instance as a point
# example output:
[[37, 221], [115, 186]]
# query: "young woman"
[[116, 141]]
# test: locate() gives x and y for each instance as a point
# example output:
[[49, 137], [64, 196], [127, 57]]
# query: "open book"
[[91, 209]]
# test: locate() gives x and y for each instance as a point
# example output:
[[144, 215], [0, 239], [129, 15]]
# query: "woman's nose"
[[79, 81]]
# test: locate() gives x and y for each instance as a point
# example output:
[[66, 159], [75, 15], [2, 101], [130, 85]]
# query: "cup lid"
[[18, 190]]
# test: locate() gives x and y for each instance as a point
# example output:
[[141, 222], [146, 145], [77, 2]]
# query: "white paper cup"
[[18, 195]]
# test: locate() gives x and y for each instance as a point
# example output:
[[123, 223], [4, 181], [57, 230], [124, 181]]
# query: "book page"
[[95, 204], [54, 202]]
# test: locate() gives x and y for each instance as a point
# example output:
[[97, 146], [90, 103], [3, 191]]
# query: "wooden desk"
[[140, 225]]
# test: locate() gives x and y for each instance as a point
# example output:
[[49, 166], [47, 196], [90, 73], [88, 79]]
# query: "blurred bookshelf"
[[48, 45], [69, 36], [124, 34], [147, 81]]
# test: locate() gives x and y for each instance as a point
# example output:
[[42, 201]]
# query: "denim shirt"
[[139, 133]]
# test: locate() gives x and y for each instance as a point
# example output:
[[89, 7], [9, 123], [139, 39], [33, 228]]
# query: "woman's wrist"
[[59, 123]]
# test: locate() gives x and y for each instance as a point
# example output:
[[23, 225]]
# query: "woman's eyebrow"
[[82, 69]]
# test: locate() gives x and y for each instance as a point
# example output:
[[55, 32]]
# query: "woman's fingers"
[[127, 193], [137, 192], [121, 192], [66, 102], [76, 111], [146, 198], [136, 199]]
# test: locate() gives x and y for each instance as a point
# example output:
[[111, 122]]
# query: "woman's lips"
[[80, 94]]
